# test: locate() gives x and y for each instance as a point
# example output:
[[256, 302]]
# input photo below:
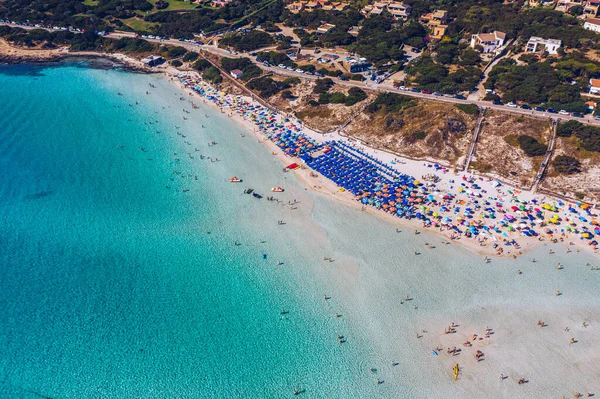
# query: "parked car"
[[460, 97], [563, 112], [426, 92], [497, 102], [448, 95], [552, 111], [577, 115], [403, 88], [525, 106], [512, 105], [540, 109], [597, 118], [437, 93], [343, 78], [415, 90]]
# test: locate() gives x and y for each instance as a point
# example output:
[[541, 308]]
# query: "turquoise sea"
[[120, 276]]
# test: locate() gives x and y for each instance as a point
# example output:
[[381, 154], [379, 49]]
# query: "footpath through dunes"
[[511, 147], [420, 129]]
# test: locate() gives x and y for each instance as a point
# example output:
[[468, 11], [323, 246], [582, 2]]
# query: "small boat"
[[248, 190], [235, 179], [277, 189], [434, 353], [257, 195]]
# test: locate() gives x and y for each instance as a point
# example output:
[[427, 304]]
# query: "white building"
[[550, 45], [236, 73], [399, 10], [592, 24], [490, 42], [594, 86]]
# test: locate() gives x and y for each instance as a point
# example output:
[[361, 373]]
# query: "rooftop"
[[593, 21]]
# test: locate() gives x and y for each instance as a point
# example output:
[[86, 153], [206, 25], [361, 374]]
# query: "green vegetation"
[[176, 52], [531, 146], [176, 63], [139, 25], [568, 128], [267, 87], [173, 5], [420, 135], [512, 139], [292, 81], [246, 42], [190, 56], [470, 109], [288, 95], [322, 85], [566, 165], [212, 75], [481, 167], [355, 95], [549, 82], [390, 102], [245, 65], [328, 72], [201, 65], [275, 58], [433, 76], [588, 136]]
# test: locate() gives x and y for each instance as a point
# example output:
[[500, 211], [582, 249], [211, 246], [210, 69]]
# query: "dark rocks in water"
[[393, 123]]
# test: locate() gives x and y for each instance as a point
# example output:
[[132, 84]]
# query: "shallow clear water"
[[117, 283]]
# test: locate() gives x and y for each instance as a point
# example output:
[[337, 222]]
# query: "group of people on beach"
[[462, 209]]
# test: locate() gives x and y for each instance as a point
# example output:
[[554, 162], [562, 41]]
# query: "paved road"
[[364, 85]]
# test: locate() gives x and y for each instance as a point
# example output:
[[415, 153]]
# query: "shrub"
[[390, 102], [176, 63], [470, 109], [420, 135], [191, 56], [588, 136], [566, 165], [292, 81], [161, 4], [176, 52], [567, 129], [323, 86], [355, 95], [275, 58], [213, 75], [267, 87], [201, 65], [247, 42], [531, 146], [287, 94]]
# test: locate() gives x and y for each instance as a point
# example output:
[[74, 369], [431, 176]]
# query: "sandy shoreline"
[[321, 185], [311, 180], [516, 348]]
